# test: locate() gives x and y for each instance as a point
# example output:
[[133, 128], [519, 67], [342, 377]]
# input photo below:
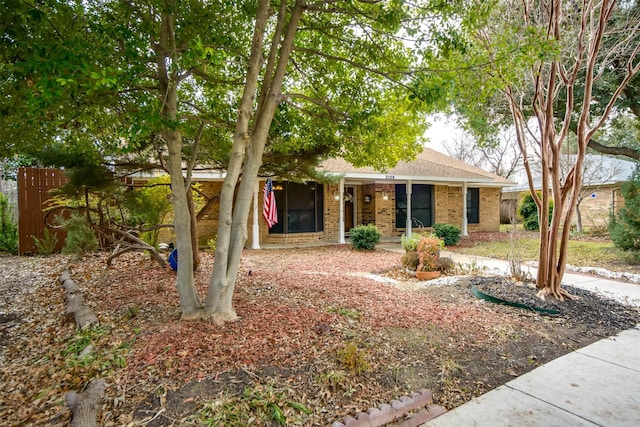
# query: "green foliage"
[[212, 244], [429, 253], [46, 245], [80, 237], [410, 244], [150, 206], [88, 355], [354, 358], [447, 232], [528, 210], [8, 229], [624, 227], [346, 312], [410, 260], [365, 237], [261, 404]]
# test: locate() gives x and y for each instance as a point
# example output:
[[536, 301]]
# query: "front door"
[[349, 202]]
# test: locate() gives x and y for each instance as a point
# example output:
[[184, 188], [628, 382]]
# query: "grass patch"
[[581, 253], [91, 354], [260, 404], [349, 313]]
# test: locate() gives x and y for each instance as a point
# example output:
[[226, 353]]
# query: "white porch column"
[[464, 210], [255, 229], [341, 220], [409, 214]]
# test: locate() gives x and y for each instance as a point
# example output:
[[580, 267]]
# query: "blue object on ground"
[[173, 260]]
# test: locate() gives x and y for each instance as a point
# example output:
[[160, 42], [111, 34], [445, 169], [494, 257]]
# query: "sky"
[[441, 131]]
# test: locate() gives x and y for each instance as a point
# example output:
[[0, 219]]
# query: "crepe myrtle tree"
[[541, 61]]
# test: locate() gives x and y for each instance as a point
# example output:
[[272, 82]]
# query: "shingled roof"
[[429, 165]]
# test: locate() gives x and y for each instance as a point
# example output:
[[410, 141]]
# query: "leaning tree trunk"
[[219, 285]]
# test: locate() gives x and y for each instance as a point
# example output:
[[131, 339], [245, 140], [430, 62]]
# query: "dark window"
[[421, 205], [300, 208], [473, 205]]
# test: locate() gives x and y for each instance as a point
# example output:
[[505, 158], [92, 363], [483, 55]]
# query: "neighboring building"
[[600, 195], [434, 188]]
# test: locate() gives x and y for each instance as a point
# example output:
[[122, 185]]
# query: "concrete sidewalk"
[[598, 385]]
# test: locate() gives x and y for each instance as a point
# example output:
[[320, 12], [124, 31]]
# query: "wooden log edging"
[[84, 406], [82, 314], [400, 408]]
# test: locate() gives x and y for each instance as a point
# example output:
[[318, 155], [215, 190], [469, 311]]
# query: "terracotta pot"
[[427, 275]]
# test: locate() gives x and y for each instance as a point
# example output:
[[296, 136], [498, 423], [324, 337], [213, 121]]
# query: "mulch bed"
[[302, 311]]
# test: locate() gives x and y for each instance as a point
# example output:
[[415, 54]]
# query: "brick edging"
[[398, 408]]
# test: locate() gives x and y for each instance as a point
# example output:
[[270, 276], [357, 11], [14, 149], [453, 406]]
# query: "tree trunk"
[[194, 229], [189, 301], [168, 86], [247, 154], [578, 219]]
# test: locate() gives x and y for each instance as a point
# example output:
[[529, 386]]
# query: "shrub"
[[410, 244], [8, 229], [151, 206], [46, 245], [446, 265], [528, 210], [212, 244], [625, 226], [429, 253], [365, 237], [80, 238], [354, 358], [410, 260], [447, 232]]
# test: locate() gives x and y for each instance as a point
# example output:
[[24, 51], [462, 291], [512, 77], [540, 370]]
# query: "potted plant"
[[429, 255]]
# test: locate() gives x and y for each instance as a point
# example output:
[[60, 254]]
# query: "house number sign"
[[390, 177]]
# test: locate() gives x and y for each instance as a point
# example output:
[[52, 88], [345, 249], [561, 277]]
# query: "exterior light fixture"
[[385, 196]]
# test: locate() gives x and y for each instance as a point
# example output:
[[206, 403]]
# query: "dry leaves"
[[298, 309]]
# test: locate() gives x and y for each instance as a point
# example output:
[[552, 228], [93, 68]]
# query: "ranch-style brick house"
[[433, 188]]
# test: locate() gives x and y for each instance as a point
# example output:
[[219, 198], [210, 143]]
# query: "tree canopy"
[[252, 87]]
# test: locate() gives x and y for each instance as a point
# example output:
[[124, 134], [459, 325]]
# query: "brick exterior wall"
[[489, 211], [385, 210], [447, 203], [448, 209]]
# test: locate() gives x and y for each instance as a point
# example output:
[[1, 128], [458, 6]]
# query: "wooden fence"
[[33, 194]]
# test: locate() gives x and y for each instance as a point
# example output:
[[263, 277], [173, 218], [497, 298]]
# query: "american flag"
[[269, 210]]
